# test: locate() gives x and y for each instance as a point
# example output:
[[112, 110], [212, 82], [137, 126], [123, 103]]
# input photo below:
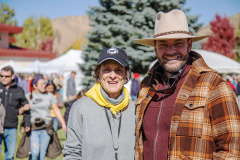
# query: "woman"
[[51, 87], [101, 125], [69, 104], [41, 120]]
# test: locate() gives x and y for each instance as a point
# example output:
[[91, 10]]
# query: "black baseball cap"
[[113, 53]]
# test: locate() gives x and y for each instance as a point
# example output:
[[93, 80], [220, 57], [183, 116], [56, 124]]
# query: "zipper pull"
[[116, 156]]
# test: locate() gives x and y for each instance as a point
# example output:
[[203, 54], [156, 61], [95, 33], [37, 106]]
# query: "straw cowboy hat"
[[171, 25]]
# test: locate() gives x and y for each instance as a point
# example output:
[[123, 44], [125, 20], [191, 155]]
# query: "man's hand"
[[27, 129], [26, 107]]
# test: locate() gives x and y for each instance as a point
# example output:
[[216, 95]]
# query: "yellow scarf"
[[96, 95]]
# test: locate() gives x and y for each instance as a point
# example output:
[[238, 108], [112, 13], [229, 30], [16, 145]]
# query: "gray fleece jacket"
[[89, 136]]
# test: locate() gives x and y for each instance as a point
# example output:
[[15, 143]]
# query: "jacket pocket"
[[191, 121]]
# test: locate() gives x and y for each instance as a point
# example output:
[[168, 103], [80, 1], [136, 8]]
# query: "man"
[[135, 86], [14, 102], [185, 110], [71, 89]]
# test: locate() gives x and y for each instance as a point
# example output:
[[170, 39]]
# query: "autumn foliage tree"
[[222, 40], [238, 42], [47, 44]]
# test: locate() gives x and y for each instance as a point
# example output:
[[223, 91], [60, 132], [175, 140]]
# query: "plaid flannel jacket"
[[205, 123]]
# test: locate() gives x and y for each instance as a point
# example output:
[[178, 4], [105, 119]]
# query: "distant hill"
[[67, 30], [234, 21]]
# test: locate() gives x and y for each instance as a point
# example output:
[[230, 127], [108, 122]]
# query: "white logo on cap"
[[112, 51]]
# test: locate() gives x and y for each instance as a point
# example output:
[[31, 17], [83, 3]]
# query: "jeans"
[[10, 139], [39, 141], [134, 97], [55, 123]]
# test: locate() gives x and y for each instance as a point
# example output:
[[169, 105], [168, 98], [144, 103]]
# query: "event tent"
[[218, 62], [35, 65], [16, 67], [67, 62], [64, 65]]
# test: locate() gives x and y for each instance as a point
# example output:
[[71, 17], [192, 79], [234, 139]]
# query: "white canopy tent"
[[64, 65], [67, 62], [218, 62], [16, 67], [35, 65]]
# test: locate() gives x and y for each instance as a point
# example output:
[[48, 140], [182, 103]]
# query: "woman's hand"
[[27, 129], [26, 107], [64, 127]]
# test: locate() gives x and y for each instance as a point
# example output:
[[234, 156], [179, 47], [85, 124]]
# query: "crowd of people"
[[182, 109], [39, 99]]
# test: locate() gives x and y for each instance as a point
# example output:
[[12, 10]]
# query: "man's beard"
[[175, 68]]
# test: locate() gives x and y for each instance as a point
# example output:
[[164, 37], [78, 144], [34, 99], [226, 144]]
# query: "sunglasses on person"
[[6, 76]]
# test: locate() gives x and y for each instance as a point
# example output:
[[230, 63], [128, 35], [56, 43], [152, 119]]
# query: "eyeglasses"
[[5, 76]]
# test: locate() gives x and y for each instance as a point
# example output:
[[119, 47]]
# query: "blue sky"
[[59, 8]]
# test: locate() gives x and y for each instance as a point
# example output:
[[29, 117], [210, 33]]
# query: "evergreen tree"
[[222, 40], [36, 34], [7, 15], [116, 23]]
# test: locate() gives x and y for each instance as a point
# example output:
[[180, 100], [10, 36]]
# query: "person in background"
[[238, 90], [185, 109], [2, 118], [229, 80], [14, 101], [24, 83], [135, 86], [101, 125], [51, 87], [41, 120], [29, 83], [57, 82], [69, 104], [71, 87]]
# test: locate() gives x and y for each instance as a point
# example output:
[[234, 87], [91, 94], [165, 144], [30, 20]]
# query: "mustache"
[[175, 54]]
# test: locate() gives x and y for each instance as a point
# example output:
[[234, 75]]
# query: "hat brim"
[[150, 41], [117, 60]]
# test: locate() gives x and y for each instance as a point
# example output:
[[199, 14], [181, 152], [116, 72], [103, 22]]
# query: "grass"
[[61, 136]]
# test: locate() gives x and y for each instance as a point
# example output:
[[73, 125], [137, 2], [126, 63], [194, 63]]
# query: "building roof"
[[14, 51], [10, 28], [23, 52]]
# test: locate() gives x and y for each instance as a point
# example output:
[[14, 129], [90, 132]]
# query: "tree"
[[47, 44], [116, 23], [78, 44], [36, 33], [222, 39], [238, 42], [7, 15]]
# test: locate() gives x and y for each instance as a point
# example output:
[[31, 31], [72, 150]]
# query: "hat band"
[[171, 32]]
